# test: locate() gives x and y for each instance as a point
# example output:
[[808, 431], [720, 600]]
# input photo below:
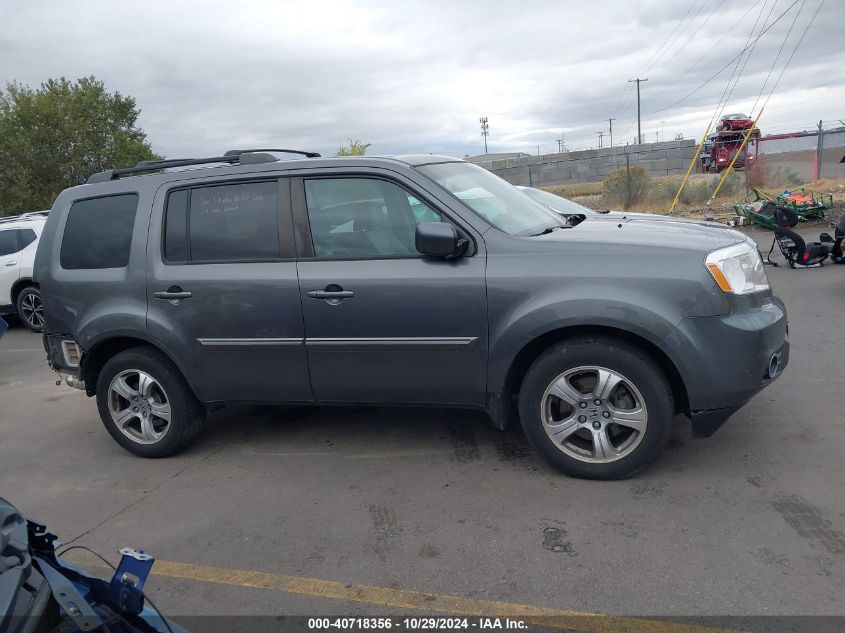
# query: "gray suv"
[[175, 287]]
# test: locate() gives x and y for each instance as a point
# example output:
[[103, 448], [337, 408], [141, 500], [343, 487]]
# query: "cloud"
[[416, 76]]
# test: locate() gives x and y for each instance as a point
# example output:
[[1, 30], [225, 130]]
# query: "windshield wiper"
[[549, 229]]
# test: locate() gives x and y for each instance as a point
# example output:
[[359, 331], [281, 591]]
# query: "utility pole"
[[561, 142], [819, 150], [611, 130], [485, 131], [601, 134], [639, 132]]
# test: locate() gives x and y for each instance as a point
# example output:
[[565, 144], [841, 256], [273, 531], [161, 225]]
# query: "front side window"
[[233, 222], [98, 232], [9, 242], [495, 200], [363, 217]]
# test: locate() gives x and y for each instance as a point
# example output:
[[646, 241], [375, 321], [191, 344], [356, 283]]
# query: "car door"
[[383, 323], [222, 291], [10, 264]]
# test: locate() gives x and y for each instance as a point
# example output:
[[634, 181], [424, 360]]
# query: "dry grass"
[[577, 190], [662, 191]]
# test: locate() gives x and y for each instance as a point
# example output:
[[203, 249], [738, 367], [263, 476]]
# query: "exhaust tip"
[[74, 381]]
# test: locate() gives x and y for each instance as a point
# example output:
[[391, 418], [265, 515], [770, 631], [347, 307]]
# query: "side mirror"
[[439, 239]]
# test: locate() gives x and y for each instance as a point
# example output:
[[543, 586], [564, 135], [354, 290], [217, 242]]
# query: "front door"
[[222, 293], [383, 323]]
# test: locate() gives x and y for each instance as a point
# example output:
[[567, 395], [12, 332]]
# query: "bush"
[[762, 176], [626, 187], [697, 191]]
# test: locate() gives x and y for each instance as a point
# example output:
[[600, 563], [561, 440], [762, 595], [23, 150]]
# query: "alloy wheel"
[[32, 311], [594, 414], [139, 406]]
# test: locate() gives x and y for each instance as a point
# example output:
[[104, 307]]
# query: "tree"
[[353, 147], [58, 135]]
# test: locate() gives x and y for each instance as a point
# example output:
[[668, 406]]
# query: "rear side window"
[[237, 222], [9, 242], [27, 237], [98, 233]]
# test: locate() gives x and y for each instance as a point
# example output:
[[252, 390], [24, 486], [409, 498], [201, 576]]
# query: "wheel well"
[[18, 287], [99, 355], [532, 350]]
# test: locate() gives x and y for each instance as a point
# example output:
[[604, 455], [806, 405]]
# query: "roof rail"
[[24, 216], [238, 152], [231, 157]]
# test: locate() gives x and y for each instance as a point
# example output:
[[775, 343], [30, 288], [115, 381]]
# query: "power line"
[[673, 36], [650, 59], [730, 89], [794, 50], [670, 57], [732, 60], [712, 48], [777, 57]]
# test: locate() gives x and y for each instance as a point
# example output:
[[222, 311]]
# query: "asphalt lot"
[[318, 501]]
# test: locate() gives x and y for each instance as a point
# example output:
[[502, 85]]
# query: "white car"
[[19, 294]]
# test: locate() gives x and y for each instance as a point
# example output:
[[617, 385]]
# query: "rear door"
[[10, 264], [223, 292], [383, 323]]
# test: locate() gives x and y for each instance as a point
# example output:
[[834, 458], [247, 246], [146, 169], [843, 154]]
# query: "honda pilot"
[[174, 287]]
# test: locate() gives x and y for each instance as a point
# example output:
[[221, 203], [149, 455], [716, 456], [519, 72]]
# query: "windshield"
[[497, 201], [555, 202]]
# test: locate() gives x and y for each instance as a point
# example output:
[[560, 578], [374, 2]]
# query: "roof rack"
[[242, 156], [24, 216], [238, 152]]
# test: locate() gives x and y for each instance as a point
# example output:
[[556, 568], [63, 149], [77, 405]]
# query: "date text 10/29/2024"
[[416, 624]]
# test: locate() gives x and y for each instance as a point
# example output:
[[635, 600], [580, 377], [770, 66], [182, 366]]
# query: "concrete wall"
[[804, 164], [549, 170]]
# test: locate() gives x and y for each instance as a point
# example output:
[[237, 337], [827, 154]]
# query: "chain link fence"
[[797, 158]]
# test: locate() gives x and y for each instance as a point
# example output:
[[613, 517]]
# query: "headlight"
[[738, 269]]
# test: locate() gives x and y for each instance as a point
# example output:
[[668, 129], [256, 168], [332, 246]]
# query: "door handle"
[[330, 294], [11, 263], [172, 294]]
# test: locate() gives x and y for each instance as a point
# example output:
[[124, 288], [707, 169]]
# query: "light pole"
[[611, 130]]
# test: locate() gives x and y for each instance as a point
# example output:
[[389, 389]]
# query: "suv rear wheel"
[[29, 308], [596, 408], [145, 403]]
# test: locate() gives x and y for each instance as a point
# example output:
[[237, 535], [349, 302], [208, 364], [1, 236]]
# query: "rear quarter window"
[[27, 237], [98, 232]]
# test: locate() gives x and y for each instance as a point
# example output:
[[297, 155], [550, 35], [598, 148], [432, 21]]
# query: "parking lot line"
[[423, 601]]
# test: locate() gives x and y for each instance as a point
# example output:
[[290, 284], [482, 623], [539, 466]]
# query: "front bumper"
[[726, 360]]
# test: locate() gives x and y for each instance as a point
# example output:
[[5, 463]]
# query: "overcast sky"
[[414, 77]]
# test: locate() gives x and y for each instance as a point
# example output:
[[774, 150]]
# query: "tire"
[[635, 415], [120, 390], [30, 309]]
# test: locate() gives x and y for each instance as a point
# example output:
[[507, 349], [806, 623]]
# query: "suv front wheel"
[[145, 403], [596, 407]]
